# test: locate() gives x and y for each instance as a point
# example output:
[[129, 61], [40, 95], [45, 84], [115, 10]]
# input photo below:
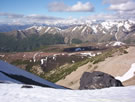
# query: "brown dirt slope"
[[116, 66]]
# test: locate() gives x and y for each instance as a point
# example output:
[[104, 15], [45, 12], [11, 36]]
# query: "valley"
[[65, 64]]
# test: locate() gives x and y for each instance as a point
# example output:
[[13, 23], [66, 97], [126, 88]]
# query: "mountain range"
[[123, 30]]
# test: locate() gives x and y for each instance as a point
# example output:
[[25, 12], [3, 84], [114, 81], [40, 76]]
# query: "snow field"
[[14, 93]]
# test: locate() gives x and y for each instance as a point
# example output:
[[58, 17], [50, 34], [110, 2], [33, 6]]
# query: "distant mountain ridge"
[[94, 32]]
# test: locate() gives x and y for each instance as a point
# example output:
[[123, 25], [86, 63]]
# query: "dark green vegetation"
[[27, 63], [33, 42], [61, 72], [76, 41], [108, 53]]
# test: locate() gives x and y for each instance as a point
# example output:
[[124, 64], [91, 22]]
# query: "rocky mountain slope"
[[94, 32]]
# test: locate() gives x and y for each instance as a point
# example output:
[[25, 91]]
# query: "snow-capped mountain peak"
[[105, 30]]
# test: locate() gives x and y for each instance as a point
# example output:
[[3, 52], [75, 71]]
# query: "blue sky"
[[40, 7], [10, 9]]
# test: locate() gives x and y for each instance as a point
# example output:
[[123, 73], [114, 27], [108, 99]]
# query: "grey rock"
[[98, 80], [27, 86]]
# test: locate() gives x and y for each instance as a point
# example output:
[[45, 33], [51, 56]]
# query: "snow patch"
[[33, 27], [74, 28], [42, 60], [39, 28], [24, 55], [34, 57], [88, 54], [47, 29], [54, 57], [80, 27], [118, 43], [94, 29], [2, 56], [120, 24], [84, 29], [104, 32], [127, 26], [106, 25], [99, 53], [129, 74], [73, 61], [107, 45], [62, 54]]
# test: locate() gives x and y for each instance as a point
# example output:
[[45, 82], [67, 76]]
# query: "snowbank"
[[14, 93]]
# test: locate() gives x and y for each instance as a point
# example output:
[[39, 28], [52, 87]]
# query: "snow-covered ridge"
[[45, 28], [102, 26], [38, 28], [14, 93]]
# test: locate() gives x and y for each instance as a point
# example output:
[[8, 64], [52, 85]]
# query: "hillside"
[[10, 43], [116, 65], [66, 66]]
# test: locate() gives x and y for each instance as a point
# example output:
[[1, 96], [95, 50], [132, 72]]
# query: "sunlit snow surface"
[[14, 93]]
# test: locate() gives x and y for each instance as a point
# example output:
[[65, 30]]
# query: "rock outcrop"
[[98, 80]]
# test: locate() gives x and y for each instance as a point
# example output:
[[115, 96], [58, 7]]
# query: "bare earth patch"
[[118, 65]]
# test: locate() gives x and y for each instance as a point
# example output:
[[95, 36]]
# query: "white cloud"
[[57, 6], [82, 7], [128, 6], [11, 15], [115, 1], [103, 16], [10, 18], [123, 8], [41, 17], [78, 7]]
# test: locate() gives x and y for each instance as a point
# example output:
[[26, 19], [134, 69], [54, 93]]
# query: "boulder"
[[98, 80], [27, 86]]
